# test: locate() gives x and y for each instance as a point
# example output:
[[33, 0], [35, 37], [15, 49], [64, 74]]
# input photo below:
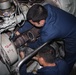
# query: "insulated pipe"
[[5, 4], [27, 57]]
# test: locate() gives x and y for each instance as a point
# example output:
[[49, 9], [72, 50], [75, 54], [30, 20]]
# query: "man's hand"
[[13, 37], [22, 54], [35, 58]]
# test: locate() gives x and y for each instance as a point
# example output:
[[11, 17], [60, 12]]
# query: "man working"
[[51, 65], [53, 23]]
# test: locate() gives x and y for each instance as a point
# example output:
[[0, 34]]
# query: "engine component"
[[12, 14], [6, 8], [30, 35], [8, 50], [33, 34], [4, 4], [21, 40]]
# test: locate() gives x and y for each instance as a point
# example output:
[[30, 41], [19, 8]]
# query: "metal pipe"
[[5, 4], [29, 56]]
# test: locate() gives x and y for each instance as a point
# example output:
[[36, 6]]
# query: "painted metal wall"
[[67, 5]]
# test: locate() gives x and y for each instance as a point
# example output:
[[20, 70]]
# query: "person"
[[51, 65], [53, 23]]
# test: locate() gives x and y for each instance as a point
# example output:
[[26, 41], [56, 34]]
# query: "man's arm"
[[45, 36], [35, 44], [24, 28], [21, 30]]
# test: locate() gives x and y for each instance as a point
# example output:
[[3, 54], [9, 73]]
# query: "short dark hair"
[[36, 13], [48, 53]]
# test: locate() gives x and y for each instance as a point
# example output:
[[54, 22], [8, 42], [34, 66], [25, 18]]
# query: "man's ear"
[[42, 22], [42, 59]]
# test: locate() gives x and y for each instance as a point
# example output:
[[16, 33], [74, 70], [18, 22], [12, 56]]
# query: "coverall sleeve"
[[25, 27], [36, 44], [45, 36]]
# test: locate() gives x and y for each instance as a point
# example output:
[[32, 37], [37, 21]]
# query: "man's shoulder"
[[47, 5], [61, 62], [63, 67]]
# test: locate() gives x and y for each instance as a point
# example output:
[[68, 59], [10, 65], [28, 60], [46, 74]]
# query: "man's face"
[[40, 24]]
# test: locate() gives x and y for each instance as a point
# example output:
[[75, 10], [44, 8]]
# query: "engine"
[[12, 16]]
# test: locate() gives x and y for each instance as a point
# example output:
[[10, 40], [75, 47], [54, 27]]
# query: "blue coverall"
[[59, 24], [61, 68]]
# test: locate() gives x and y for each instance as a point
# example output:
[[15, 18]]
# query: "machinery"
[[13, 15]]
